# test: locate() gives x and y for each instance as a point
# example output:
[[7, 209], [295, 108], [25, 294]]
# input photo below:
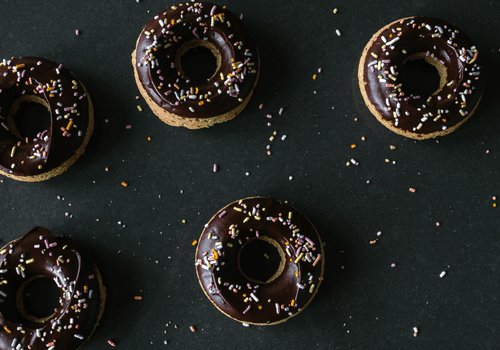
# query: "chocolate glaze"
[[228, 288], [67, 101], [39, 253], [156, 52], [435, 38]]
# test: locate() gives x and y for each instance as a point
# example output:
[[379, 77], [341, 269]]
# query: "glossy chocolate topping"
[[61, 259], [225, 284], [204, 24], [435, 40], [57, 88]]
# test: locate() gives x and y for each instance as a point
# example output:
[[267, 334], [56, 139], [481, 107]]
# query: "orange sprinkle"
[[200, 103], [287, 243], [124, 184], [216, 256], [353, 146], [149, 138], [260, 307], [297, 273], [7, 329], [494, 205], [69, 125], [293, 302], [138, 297], [314, 76], [195, 242]]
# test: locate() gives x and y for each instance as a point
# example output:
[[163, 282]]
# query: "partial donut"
[[226, 271], [173, 96], [82, 295], [55, 148], [441, 45]]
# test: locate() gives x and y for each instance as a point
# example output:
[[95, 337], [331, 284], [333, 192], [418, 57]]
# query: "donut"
[[233, 288], [51, 151], [39, 255], [175, 98], [441, 45]]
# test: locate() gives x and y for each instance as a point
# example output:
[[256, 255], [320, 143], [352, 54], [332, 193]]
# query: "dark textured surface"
[[144, 247]]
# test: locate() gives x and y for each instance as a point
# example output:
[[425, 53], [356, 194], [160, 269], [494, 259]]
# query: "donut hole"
[[198, 61], [29, 116], [37, 299], [422, 76], [261, 260]]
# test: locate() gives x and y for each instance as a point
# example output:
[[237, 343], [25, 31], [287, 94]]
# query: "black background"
[[137, 232]]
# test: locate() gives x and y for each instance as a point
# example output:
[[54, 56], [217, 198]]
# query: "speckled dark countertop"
[[142, 233]]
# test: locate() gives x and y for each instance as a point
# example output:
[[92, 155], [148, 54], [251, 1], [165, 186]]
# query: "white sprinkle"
[[442, 274], [379, 233], [338, 32], [215, 168], [415, 330]]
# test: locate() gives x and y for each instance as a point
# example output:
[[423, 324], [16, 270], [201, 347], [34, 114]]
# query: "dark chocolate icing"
[[61, 259], [68, 107], [229, 289], [158, 73], [442, 42]]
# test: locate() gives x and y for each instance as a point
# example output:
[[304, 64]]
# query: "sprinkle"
[[139, 108], [247, 309], [335, 10], [393, 265], [215, 168], [412, 190], [338, 32], [138, 297], [195, 242], [192, 329], [318, 258], [77, 32], [111, 343], [442, 274], [79, 336], [254, 297], [314, 76], [124, 184]]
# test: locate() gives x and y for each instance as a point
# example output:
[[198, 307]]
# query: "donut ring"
[[231, 290], [160, 78], [54, 150], [39, 254], [439, 44]]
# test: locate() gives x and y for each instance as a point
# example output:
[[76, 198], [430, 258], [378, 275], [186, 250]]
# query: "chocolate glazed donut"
[[159, 74], [228, 285], [56, 148], [37, 255], [440, 44]]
